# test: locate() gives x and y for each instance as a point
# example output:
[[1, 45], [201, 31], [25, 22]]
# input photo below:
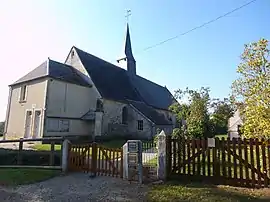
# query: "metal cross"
[[128, 14]]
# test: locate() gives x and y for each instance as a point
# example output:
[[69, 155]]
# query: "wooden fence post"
[[52, 154], [19, 159], [94, 159], [65, 154], [168, 155], [162, 157]]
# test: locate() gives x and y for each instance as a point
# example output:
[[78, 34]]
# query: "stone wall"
[[112, 120], [169, 115], [148, 127], [168, 129], [112, 114]]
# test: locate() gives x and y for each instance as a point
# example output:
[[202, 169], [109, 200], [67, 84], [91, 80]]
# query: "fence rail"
[[28, 157], [239, 162]]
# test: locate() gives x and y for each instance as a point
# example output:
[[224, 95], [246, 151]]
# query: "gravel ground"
[[76, 187]]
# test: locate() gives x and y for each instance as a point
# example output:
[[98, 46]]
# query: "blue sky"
[[33, 30]]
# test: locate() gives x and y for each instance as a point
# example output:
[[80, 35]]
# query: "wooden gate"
[[96, 159], [237, 162]]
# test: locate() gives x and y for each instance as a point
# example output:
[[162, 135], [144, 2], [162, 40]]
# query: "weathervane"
[[128, 14]]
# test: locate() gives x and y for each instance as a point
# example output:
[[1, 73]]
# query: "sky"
[[31, 31]]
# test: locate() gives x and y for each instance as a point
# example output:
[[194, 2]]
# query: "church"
[[87, 96]]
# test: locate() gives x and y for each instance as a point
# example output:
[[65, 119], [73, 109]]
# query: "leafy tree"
[[195, 112], [252, 89], [181, 110], [222, 111]]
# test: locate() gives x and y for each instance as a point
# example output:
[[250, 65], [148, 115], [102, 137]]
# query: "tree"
[[222, 111], [252, 89], [181, 110], [195, 112]]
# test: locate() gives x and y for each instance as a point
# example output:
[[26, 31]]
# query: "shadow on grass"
[[175, 191]]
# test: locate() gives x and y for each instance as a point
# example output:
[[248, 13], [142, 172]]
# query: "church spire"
[[127, 60]]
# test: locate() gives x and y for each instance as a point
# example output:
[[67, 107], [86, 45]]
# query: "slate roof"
[[111, 81], [55, 70], [114, 83], [152, 114]]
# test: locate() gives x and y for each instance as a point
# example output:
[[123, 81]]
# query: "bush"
[[29, 157], [177, 133]]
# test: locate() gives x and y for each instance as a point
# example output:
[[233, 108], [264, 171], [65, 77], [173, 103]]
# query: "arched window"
[[99, 106], [124, 115]]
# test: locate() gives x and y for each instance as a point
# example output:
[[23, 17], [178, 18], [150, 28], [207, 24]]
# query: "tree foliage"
[[252, 89], [222, 111], [195, 112], [195, 116]]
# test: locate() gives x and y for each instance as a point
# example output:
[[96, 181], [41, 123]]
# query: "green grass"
[[205, 193], [220, 136], [45, 147], [152, 162], [109, 144], [114, 143], [19, 176]]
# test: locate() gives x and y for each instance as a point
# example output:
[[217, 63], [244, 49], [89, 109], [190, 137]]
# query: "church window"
[[72, 53], [140, 124], [124, 115], [23, 93], [99, 106]]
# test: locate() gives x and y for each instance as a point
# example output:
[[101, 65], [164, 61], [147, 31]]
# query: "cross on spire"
[[128, 14]]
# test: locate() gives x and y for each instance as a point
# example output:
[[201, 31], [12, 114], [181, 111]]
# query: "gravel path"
[[76, 187]]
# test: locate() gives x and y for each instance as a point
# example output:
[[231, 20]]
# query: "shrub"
[[29, 157], [177, 133]]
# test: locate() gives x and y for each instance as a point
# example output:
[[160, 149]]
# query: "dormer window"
[[23, 92]]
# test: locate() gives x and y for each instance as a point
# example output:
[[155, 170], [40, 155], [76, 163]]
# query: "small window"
[[23, 93], [140, 124], [72, 54], [124, 115]]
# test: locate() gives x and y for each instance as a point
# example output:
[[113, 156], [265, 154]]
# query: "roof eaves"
[[27, 81]]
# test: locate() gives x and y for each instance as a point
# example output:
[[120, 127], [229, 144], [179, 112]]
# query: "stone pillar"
[[132, 161], [125, 161], [98, 123], [65, 150], [161, 168]]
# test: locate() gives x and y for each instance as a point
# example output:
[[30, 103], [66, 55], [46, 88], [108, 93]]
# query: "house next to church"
[[86, 95]]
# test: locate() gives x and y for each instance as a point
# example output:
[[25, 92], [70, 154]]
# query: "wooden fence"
[[96, 159], [20, 157], [237, 162]]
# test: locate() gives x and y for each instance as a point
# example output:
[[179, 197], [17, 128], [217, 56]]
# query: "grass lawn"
[[152, 162], [45, 147], [220, 136], [114, 143], [18, 176], [109, 144], [205, 193]]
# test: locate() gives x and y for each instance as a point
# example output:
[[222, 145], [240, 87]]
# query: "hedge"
[[29, 157]]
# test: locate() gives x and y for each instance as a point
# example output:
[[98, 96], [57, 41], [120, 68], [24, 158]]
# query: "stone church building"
[[86, 95]]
